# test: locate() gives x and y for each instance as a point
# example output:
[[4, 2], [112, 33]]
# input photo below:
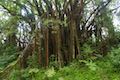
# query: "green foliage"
[[99, 70], [33, 70], [87, 51], [15, 75], [10, 26], [8, 54], [32, 61], [90, 64], [54, 22], [63, 16], [50, 72], [75, 72], [114, 57], [25, 74], [53, 62]]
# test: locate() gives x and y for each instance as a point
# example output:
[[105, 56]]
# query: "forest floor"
[[88, 70]]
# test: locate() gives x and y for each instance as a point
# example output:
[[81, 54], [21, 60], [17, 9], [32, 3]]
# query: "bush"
[[114, 58], [32, 61], [86, 51], [90, 64], [8, 55]]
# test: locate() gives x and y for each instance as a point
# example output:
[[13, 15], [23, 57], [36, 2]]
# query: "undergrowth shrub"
[[90, 64], [87, 51], [32, 61], [8, 54], [114, 58], [90, 71], [53, 62], [25, 74], [15, 75]]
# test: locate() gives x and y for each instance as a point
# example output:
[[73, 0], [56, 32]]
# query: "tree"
[[53, 26]]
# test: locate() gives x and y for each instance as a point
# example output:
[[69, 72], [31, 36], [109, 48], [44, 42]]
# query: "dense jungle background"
[[59, 40]]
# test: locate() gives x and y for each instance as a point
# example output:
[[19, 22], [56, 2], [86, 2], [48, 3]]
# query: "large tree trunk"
[[71, 40], [25, 54], [47, 46], [58, 45]]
